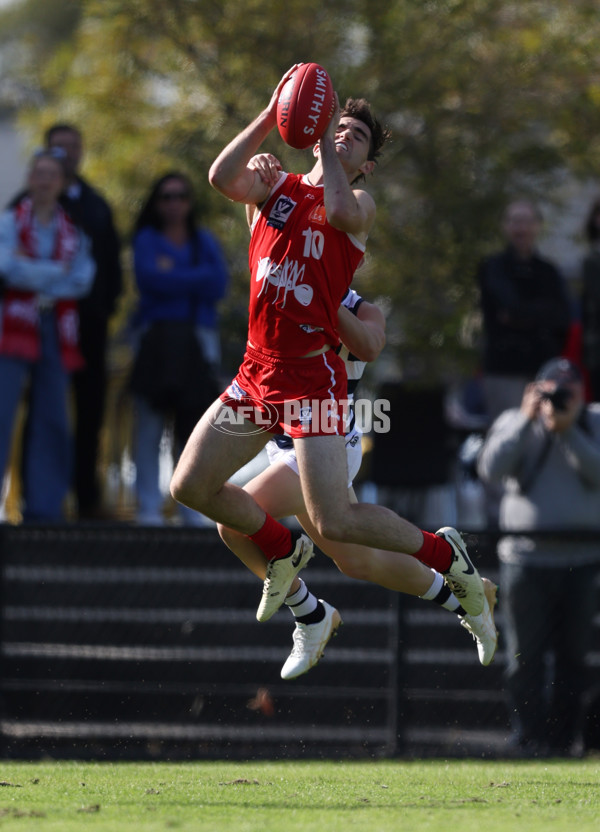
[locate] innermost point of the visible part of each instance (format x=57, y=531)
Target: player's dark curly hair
x=361, y=109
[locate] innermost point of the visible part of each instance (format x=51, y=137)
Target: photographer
x=546, y=454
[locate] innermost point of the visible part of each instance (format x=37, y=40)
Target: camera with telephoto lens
x=559, y=398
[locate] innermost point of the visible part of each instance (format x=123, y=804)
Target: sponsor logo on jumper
x=318, y=214
x=280, y=212
x=285, y=277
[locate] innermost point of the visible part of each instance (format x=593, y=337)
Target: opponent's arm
x=230, y=173
x=364, y=333
x=347, y=209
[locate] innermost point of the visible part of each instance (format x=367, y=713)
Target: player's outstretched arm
x=364, y=333
x=349, y=210
x=230, y=173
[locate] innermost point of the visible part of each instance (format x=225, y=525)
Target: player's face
x=353, y=140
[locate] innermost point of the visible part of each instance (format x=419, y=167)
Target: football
x=305, y=106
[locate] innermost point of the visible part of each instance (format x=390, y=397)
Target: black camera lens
x=559, y=398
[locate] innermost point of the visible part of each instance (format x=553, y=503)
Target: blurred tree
x=485, y=98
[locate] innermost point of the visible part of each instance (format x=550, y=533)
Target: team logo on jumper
x=285, y=277
x=280, y=212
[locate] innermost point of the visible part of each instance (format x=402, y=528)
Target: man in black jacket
x=93, y=213
x=526, y=310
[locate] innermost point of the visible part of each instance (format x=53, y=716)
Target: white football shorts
x=353, y=454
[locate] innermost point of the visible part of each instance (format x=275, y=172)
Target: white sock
x=302, y=602
x=439, y=593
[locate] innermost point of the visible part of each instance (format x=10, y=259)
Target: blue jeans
x=547, y=626
x=148, y=432
x=47, y=440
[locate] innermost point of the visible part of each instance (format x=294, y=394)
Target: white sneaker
x=310, y=641
x=280, y=574
x=482, y=626
x=462, y=577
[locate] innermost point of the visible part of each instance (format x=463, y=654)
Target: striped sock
x=304, y=606
x=440, y=594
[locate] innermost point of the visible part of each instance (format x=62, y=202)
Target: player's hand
x=268, y=168
x=334, y=121
x=272, y=107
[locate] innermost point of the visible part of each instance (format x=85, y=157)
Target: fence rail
x=125, y=642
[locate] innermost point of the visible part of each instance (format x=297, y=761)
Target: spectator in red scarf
x=45, y=267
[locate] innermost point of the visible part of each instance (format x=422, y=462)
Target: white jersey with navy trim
x=354, y=366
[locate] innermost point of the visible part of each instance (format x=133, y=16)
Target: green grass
x=301, y=796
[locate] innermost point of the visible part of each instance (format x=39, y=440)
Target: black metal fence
x=123, y=642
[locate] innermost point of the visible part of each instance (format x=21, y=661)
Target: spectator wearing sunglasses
x=181, y=276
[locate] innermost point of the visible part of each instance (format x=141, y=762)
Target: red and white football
x=305, y=106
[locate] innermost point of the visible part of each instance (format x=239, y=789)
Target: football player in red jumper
x=307, y=240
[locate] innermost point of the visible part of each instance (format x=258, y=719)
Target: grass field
x=342, y=796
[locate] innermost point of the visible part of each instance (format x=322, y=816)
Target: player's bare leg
x=210, y=457
x=323, y=477
x=323, y=468
x=277, y=491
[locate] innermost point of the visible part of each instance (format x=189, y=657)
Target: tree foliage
x=485, y=98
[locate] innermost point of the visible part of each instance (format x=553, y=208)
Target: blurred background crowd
x=494, y=152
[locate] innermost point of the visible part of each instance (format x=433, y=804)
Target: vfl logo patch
x=280, y=212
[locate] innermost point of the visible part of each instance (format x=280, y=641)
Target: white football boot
x=482, y=626
x=280, y=574
x=462, y=577
x=310, y=641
